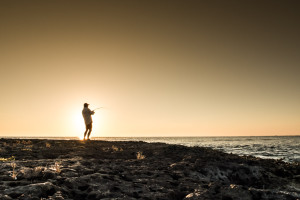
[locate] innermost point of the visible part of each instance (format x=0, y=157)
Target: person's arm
x=91, y=112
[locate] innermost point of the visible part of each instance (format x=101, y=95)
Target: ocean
x=286, y=148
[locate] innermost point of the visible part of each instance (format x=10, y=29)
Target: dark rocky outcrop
x=70, y=169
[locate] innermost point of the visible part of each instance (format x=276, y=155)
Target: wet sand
x=73, y=169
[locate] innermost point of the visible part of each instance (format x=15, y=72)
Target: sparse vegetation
x=14, y=173
x=48, y=145
x=31, y=173
x=57, y=167
x=7, y=159
x=26, y=142
x=13, y=165
x=115, y=148
x=140, y=156
x=26, y=149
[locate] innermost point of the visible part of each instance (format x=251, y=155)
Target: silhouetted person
x=86, y=113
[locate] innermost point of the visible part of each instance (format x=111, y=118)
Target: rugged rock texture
x=64, y=169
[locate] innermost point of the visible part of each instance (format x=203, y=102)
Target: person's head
x=86, y=105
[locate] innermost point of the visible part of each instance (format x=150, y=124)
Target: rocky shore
x=73, y=169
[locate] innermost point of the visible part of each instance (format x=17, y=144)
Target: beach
x=74, y=169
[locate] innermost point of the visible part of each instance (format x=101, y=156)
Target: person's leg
x=86, y=130
x=89, y=133
x=90, y=130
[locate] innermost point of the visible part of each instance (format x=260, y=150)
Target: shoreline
x=285, y=147
x=93, y=138
x=97, y=169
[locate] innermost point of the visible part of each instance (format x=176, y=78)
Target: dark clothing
x=89, y=126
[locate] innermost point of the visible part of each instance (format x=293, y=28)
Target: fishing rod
x=97, y=108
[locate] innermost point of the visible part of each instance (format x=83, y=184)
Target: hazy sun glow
x=78, y=123
x=80, y=137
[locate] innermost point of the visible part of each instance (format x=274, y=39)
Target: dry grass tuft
x=14, y=173
x=115, y=148
x=48, y=145
x=7, y=159
x=13, y=165
x=57, y=167
x=32, y=173
x=26, y=142
x=140, y=156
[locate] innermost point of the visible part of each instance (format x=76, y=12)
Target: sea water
x=286, y=148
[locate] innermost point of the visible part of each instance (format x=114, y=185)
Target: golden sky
x=160, y=68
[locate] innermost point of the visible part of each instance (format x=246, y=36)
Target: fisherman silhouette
x=86, y=113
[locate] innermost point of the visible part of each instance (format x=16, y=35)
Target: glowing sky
x=160, y=68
